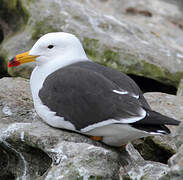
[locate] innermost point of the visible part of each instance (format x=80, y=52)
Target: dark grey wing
x=153, y=119
x=85, y=97
x=122, y=80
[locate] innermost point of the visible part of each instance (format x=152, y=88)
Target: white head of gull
x=54, y=51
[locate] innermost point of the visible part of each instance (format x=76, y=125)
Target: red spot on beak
x=13, y=62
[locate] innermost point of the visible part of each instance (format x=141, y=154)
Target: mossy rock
x=120, y=41
x=13, y=13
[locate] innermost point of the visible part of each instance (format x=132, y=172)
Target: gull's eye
x=50, y=46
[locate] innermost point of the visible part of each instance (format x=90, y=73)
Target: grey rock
x=180, y=88
x=46, y=153
x=30, y=149
x=136, y=37
x=156, y=148
x=15, y=101
x=138, y=169
x=33, y=150
x=179, y=136
x=172, y=106
x=176, y=167
x=169, y=105
x=13, y=17
x=161, y=148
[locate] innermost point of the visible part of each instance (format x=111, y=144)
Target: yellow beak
x=21, y=59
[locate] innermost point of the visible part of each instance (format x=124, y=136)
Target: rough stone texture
x=156, y=148
x=176, y=166
x=138, y=37
x=180, y=88
x=30, y=149
x=47, y=153
x=169, y=105
x=176, y=162
x=179, y=137
x=161, y=148
x=15, y=101
x=138, y=169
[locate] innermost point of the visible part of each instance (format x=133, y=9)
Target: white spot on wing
x=154, y=133
x=120, y=92
x=160, y=131
x=135, y=96
x=126, y=92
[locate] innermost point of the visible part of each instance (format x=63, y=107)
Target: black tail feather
x=156, y=129
x=155, y=122
x=155, y=118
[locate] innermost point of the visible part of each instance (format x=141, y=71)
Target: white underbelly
x=117, y=134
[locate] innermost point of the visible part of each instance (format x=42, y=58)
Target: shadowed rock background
x=142, y=38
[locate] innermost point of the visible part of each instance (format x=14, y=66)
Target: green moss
x=10, y=5
x=107, y=57
x=41, y=28
x=14, y=13
x=129, y=63
x=16, y=8
x=21, y=72
x=110, y=56
x=151, y=69
x=127, y=177
x=91, y=46
x=175, y=78
x=25, y=12
x=90, y=178
x=160, y=74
